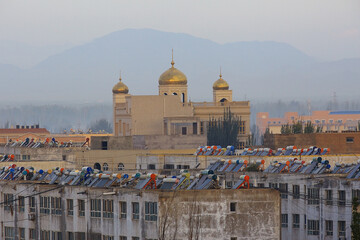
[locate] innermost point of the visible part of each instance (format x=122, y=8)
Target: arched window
x=105, y=167
x=121, y=167
x=223, y=100
x=175, y=93
x=183, y=97
x=165, y=94
x=97, y=166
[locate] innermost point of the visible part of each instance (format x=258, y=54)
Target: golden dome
x=220, y=84
x=172, y=76
x=120, y=87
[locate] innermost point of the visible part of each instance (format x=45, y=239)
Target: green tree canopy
x=224, y=131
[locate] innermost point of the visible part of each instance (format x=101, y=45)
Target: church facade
x=170, y=112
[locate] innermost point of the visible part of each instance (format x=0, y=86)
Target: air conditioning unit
x=31, y=217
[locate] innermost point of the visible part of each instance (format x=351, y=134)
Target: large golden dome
x=172, y=76
x=120, y=87
x=220, y=84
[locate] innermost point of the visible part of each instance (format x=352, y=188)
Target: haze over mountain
x=254, y=70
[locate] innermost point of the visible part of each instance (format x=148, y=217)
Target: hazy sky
x=327, y=29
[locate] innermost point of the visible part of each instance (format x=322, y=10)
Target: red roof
x=23, y=130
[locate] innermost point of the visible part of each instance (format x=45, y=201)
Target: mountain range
x=254, y=70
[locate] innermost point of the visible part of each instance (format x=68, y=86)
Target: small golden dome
x=172, y=76
x=220, y=84
x=120, y=87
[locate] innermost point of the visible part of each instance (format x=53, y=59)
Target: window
x=64, y=157
x=135, y=238
x=44, y=235
x=313, y=227
x=8, y=201
x=241, y=145
x=169, y=166
x=135, y=210
x=261, y=185
x=183, y=130
x=81, y=208
x=242, y=127
x=233, y=207
x=56, y=206
x=356, y=194
x=123, y=238
x=106, y=167
x=9, y=233
x=22, y=233
x=296, y=220
x=331, y=121
x=105, y=237
x=228, y=184
x=108, y=208
x=45, y=205
x=70, y=207
x=56, y=235
x=95, y=208
x=80, y=236
x=194, y=128
x=283, y=188
x=329, y=227
x=341, y=228
x=121, y=167
x=104, y=145
x=273, y=185
x=151, y=211
x=122, y=209
x=32, y=204
x=349, y=140
x=284, y=220
x=304, y=221
x=342, y=198
x=328, y=197
x=70, y=236
x=313, y=196
x=296, y=191
x=201, y=127
x=233, y=238
x=21, y=203
x=151, y=166
x=32, y=234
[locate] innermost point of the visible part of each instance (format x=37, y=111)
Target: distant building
x=329, y=120
x=170, y=112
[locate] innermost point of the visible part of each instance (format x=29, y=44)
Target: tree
x=101, y=125
x=355, y=224
x=309, y=128
x=297, y=127
x=224, y=131
x=285, y=129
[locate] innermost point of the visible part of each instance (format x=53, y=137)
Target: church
x=170, y=112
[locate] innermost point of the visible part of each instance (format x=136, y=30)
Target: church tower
x=120, y=91
x=221, y=92
x=173, y=82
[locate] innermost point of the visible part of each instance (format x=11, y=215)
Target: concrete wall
x=337, y=142
x=207, y=213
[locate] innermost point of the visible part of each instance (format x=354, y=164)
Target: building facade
x=170, y=112
x=327, y=120
x=312, y=206
x=55, y=212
